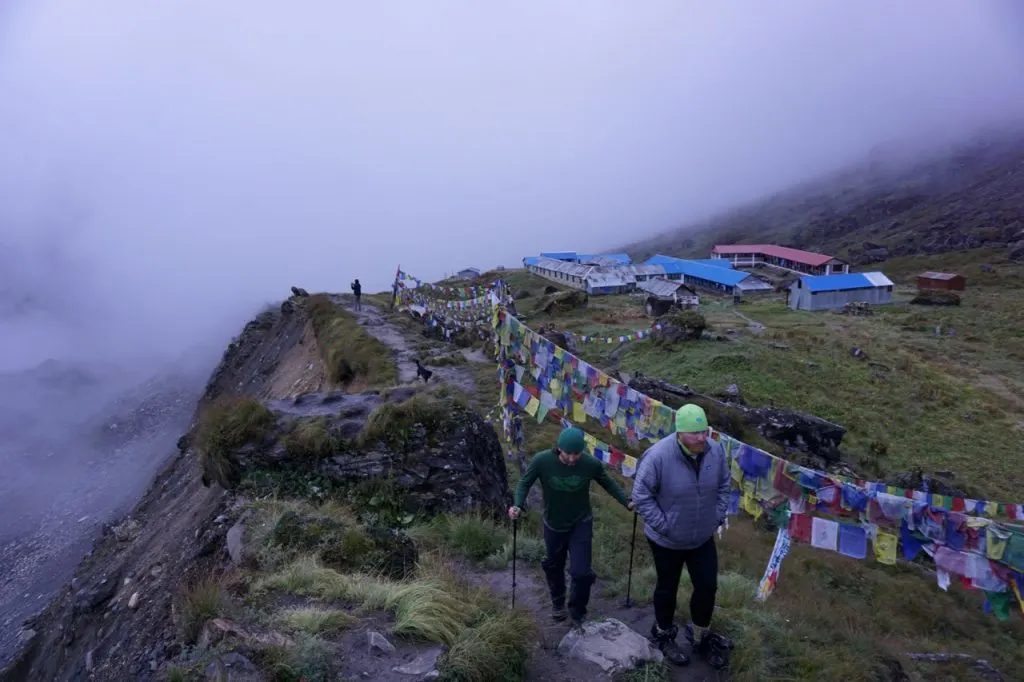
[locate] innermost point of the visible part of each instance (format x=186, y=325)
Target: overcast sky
x=166, y=166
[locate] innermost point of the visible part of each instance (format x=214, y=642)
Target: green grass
x=392, y=423
x=310, y=659
x=832, y=616
x=199, y=603
x=422, y=608
x=352, y=357
x=495, y=650
x=223, y=427
x=316, y=620
x=928, y=400
x=309, y=438
x=448, y=360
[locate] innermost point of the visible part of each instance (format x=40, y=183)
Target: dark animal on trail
x=422, y=372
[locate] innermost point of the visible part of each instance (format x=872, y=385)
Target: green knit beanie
x=691, y=419
x=571, y=441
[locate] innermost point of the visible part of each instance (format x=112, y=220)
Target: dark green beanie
x=571, y=441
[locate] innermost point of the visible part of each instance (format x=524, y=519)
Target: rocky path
x=377, y=324
x=546, y=663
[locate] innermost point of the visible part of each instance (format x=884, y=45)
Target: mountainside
x=968, y=197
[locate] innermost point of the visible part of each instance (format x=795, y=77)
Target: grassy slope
x=977, y=192
x=937, y=406
x=829, y=617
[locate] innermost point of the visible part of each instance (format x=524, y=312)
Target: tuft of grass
x=199, y=603
x=426, y=608
x=393, y=423
x=351, y=355
x=314, y=620
x=652, y=672
x=175, y=674
x=495, y=650
x=310, y=659
x=310, y=439
x=473, y=537
x=445, y=360
x=224, y=426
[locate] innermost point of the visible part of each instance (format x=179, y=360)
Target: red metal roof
x=795, y=255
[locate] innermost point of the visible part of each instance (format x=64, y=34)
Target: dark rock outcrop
x=792, y=430
x=251, y=358
x=391, y=454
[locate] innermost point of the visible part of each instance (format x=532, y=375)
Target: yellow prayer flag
x=995, y=542
x=579, y=415
x=885, y=548
x=531, y=407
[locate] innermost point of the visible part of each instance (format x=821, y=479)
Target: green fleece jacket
x=566, y=488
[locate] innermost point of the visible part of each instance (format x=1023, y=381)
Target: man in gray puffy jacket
x=681, y=490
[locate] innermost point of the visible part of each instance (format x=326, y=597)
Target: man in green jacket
x=565, y=474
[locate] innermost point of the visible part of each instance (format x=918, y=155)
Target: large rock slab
x=611, y=645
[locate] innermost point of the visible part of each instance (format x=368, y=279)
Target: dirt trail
x=376, y=323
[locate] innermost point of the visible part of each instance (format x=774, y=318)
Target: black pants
x=576, y=543
x=702, y=564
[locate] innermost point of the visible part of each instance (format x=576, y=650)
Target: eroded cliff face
x=116, y=619
x=269, y=424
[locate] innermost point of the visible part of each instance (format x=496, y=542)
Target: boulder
x=856, y=308
x=680, y=325
x=559, y=338
x=611, y=645
x=563, y=301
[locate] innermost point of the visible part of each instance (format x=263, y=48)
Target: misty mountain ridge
x=898, y=202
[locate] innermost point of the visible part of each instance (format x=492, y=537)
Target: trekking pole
x=515, y=529
x=629, y=579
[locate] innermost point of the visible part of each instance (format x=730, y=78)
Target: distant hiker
x=681, y=490
x=565, y=474
x=422, y=372
x=357, y=289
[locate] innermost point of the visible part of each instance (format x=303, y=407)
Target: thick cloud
x=168, y=166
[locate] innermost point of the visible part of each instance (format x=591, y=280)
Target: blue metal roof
x=716, y=262
x=560, y=255
x=853, y=280
x=531, y=260
x=620, y=257
x=659, y=259
x=711, y=273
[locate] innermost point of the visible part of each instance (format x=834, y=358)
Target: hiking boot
x=559, y=613
x=577, y=624
x=665, y=640
x=713, y=648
